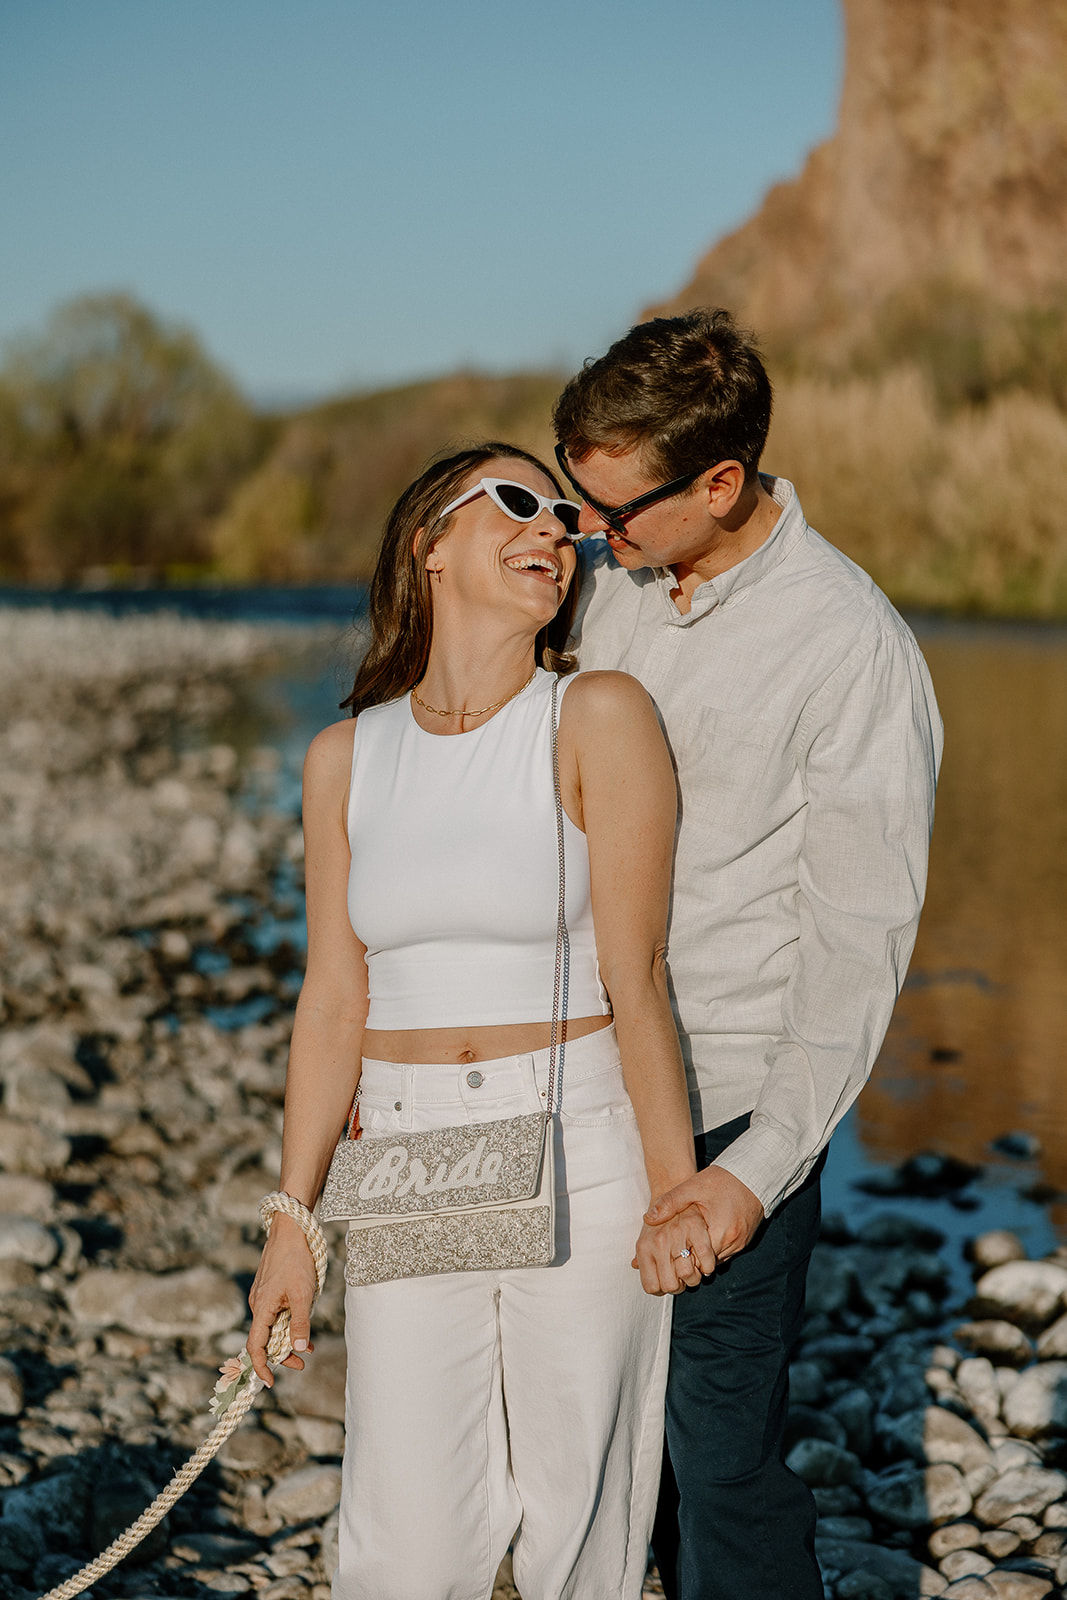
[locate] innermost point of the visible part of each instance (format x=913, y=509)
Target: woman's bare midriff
x=458, y=1046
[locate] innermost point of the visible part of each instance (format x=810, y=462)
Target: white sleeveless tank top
x=454, y=883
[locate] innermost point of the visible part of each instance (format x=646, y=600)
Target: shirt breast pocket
x=724, y=759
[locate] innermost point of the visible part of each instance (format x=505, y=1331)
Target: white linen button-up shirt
x=806, y=739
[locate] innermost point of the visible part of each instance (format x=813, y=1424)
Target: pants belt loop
x=407, y=1095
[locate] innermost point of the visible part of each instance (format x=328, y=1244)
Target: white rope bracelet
x=234, y=1394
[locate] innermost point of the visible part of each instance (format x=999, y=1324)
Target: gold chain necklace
x=494, y=707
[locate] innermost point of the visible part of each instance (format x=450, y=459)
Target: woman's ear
x=434, y=563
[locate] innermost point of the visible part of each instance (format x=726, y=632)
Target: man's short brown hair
x=683, y=392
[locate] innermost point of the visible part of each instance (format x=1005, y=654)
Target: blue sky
x=342, y=193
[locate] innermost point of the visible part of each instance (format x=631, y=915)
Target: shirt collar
x=729, y=585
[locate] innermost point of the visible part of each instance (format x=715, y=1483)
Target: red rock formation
x=948, y=172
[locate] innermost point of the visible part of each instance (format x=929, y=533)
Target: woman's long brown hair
x=400, y=613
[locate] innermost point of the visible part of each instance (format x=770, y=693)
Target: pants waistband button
x=475, y=1080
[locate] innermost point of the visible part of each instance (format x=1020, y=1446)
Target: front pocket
x=596, y=1102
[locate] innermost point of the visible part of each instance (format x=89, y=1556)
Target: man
x=806, y=739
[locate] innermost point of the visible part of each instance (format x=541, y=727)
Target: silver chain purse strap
x=556, y=1043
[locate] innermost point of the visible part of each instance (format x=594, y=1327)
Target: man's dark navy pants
x=733, y=1522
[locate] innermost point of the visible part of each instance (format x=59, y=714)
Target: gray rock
x=861, y=1585
x=1056, y=1515
x=328, y=1549
x=905, y=1577
x=809, y=1422
x=903, y=1437
x=1018, y=1585
x=831, y=1278
x=1000, y=1340
x=906, y=1391
x=1011, y=1453
x=816, y=1461
x=251, y=1450
x=25, y=1239
x=1036, y=1408
x=845, y=1528
x=947, y=1437
x=889, y=1230
x=1052, y=1344
x=309, y=1492
x=37, y=1095
x=24, y=1147
x=1025, y=1491
x=954, y=1536
x=214, y=1549
x=1027, y=1292
x=1027, y=1529
x=970, y=1589
x=965, y=1564
x=318, y=1391
x=320, y=1436
x=806, y=1384
x=1000, y=1542
x=977, y=1382
x=854, y=1410
x=840, y=1501
x=995, y=1248
x=24, y=1196
x=196, y=1303
x=12, y=1394
x=912, y=1498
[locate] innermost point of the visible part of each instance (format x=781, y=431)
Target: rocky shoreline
x=147, y=881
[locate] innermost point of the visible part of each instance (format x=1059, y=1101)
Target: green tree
x=120, y=440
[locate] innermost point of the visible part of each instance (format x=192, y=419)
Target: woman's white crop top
x=454, y=883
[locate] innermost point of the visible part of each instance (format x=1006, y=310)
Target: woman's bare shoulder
x=330, y=753
x=606, y=693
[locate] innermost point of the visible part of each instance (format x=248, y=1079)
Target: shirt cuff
x=765, y=1161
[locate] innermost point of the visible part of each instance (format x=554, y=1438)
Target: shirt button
x=475, y=1080
x=398, y=1105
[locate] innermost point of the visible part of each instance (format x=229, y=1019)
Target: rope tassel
x=234, y=1394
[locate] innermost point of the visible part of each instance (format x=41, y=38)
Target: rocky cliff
x=946, y=179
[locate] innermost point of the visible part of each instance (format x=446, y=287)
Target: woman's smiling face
x=488, y=558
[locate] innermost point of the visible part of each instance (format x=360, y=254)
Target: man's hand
x=730, y=1210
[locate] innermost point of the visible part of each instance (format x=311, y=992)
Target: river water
x=975, y=1050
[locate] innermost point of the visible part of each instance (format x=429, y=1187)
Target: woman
x=481, y=1403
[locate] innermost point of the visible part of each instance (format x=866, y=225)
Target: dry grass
x=960, y=511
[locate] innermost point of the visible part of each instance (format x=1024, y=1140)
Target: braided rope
x=278, y=1347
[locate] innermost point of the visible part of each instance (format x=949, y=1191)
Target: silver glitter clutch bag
x=470, y=1198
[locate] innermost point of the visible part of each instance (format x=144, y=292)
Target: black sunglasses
x=615, y=516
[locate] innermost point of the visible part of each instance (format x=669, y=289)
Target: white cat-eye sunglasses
x=521, y=504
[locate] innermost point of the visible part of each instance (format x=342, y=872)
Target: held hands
x=286, y=1277
x=712, y=1214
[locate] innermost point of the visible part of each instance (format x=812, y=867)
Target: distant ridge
x=946, y=179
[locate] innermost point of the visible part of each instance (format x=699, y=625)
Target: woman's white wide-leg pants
x=525, y=1404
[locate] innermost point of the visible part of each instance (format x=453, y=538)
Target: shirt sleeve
x=870, y=746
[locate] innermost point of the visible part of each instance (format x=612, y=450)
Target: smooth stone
x=214, y=1549
x=12, y=1393
x=889, y=1230
x=306, y=1493
x=906, y=1391
x=318, y=1391
x=1018, y=1585
x=1025, y=1491
x=23, y=1196
x=997, y=1338
x=26, y=1148
x=965, y=1564
x=37, y=1095
x=905, y=1577
x=1049, y=1543
x=845, y=1528
x=817, y=1461
x=912, y=1497
x=903, y=1437
x=977, y=1382
x=831, y=1279
x=970, y=1589
x=321, y=1436
x=807, y=1385
x=854, y=1410
x=25, y=1239
x=995, y=1248
x=1000, y=1543
x=1027, y=1529
x=947, y=1437
x=1055, y=1515
x=1052, y=1344
x=1027, y=1292
x=841, y=1501
x=806, y=1422
x=118, y=1500
x=862, y=1585
x=1037, y=1405
x=1011, y=1453
x=251, y=1450
x=194, y=1304
x=947, y=1493
x=953, y=1536
x=328, y=1548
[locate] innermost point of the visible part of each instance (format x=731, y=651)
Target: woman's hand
x=660, y=1260
x=286, y=1277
